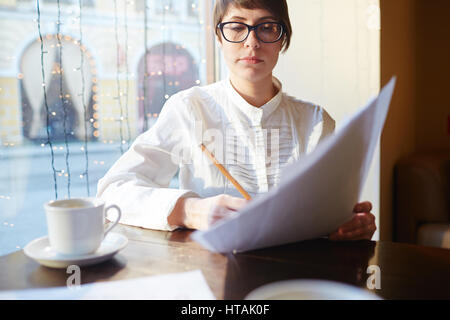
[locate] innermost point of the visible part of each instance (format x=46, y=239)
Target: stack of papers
x=316, y=195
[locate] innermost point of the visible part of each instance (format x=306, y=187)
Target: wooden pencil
x=225, y=172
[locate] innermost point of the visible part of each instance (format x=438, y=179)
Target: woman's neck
x=255, y=93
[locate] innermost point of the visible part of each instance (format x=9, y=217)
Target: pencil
x=225, y=172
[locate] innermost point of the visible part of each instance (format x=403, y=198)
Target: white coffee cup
x=77, y=226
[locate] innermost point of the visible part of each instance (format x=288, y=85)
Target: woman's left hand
x=361, y=227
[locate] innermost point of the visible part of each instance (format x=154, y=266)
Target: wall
x=334, y=61
x=397, y=58
x=433, y=74
x=415, y=48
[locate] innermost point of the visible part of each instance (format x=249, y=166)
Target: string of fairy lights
x=165, y=7
x=127, y=73
x=61, y=96
x=85, y=174
x=201, y=60
x=146, y=73
x=120, y=94
x=89, y=103
x=49, y=141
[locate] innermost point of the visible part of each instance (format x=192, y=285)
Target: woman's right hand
x=198, y=213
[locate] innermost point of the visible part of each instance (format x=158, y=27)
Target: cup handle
x=119, y=214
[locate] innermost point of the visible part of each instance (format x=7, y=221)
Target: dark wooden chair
x=422, y=200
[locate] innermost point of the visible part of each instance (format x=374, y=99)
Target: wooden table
x=407, y=271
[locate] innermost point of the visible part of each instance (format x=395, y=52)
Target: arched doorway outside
x=70, y=106
x=170, y=68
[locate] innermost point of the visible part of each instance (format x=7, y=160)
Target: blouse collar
x=252, y=112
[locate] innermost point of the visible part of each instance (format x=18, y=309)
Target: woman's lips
x=251, y=60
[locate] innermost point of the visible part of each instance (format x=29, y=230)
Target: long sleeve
x=138, y=182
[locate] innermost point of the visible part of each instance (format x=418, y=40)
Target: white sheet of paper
x=316, y=194
x=176, y=286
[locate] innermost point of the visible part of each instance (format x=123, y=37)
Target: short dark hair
x=278, y=8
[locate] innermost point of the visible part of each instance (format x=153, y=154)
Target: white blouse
x=253, y=144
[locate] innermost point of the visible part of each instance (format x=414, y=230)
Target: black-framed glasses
x=236, y=32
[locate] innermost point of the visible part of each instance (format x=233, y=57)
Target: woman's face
x=251, y=60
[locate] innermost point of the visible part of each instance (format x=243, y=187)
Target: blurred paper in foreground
x=316, y=194
x=190, y=285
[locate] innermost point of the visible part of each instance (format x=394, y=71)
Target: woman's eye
x=237, y=29
x=267, y=28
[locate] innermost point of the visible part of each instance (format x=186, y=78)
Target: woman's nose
x=252, y=40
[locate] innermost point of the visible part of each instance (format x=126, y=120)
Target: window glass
x=72, y=103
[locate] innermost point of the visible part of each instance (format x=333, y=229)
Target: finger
x=349, y=235
x=351, y=225
x=360, y=220
x=234, y=203
x=360, y=234
x=335, y=236
x=219, y=213
x=225, y=213
x=363, y=207
x=356, y=234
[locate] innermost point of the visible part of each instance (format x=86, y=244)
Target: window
x=86, y=3
x=192, y=8
x=60, y=134
x=165, y=7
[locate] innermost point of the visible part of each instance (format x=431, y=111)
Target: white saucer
x=310, y=290
x=40, y=250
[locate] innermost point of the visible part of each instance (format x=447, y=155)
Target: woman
x=251, y=126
